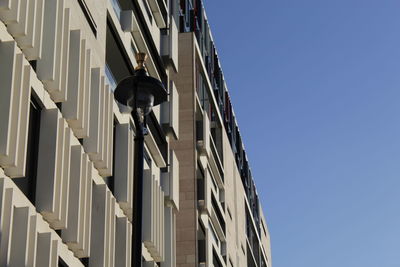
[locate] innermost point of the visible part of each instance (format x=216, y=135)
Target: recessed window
x=117, y=61
x=27, y=184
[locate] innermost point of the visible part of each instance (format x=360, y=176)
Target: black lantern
x=140, y=93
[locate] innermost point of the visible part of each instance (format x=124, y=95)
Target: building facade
x=220, y=222
x=67, y=147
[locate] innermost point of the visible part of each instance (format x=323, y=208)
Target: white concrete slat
x=54, y=84
x=75, y=235
x=7, y=76
x=88, y=210
x=75, y=107
x=64, y=198
x=10, y=13
x=153, y=216
x=19, y=237
x=26, y=40
x=23, y=121
x=92, y=143
x=110, y=133
x=96, y=155
x=81, y=129
x=112, y=218
x=157, y=221
x=98, y=226
x=77, y=124
x=86, y=113
x=129, y=237
x=5, y=4
x=57, y=217
x=44, y=250
x=54, y=216
x=10, y=96
x=170, y=181
x=104, y=166
x=11, y=160
x=54, y=253
x=35, y=52
x=70, y=235
x=169, y=237
x=82, y=248
x=122, y=240
x=131, y=169
x=110, y=229
x=170, y=112
x=32, y=239
x=46, y=65
x=21, y=27
x=82, y=203
x=49, y=163
x=123, y=173
x=107, y=130
x=6, y=220
x=107, y=228
x=70, y=108
x=148, y=209
x=162, y=226
x=58, y=89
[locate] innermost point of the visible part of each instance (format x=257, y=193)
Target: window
x=117, y=8
x=27, y=184
x=118, y=65
x=61, y=262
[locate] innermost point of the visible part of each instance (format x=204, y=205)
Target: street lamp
x=139, y=93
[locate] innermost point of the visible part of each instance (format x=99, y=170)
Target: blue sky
x=315, y=86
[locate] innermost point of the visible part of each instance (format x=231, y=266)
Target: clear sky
x=315, y=86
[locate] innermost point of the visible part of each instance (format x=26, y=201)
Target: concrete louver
x=52, y=66
x=15, y=93
x=153, y=216
x=76, y=108
x=17, y=238
x=99, y=143
x=18, y=227
x=103, y=227
x=77, y=232
x=24, y=20
x=124, y=168
x=170, y=181
x=52, y=188
x=123, y=237
x=10, y=11
x=26, y=240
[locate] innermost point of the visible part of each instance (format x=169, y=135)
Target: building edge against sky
x=67, y=150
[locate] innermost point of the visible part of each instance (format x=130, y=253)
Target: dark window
x=116, y=57
x=61, y=263
x=216, y=261
x=27, y=184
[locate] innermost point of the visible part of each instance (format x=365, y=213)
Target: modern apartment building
x=67, y=147
x=220, y=221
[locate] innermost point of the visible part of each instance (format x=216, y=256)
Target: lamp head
x=140, y=91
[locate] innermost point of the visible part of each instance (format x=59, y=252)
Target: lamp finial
x=140, y=59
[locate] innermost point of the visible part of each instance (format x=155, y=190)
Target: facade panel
x=69, y=202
